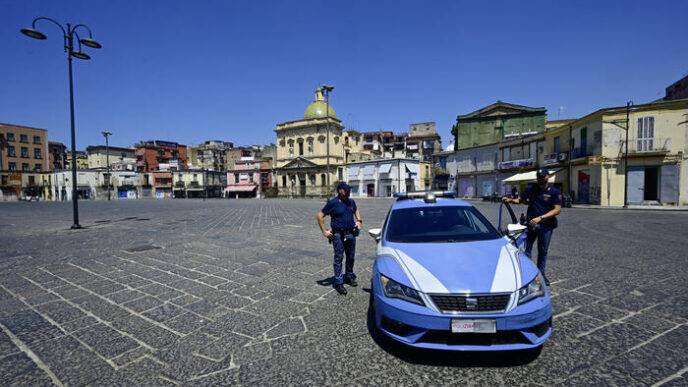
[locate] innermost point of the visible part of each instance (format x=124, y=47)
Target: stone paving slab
x=227, y=292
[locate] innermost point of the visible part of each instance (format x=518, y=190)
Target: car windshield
x=442, y=224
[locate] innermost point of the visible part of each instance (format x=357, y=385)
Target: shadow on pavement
x=447, y=358
x=329, y=281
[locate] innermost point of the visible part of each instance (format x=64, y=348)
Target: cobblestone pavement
x=229, y=292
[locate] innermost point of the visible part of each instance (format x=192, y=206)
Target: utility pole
x=107, y=134
x=628, y=125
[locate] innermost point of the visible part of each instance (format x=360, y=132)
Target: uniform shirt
x=341, y=213
x=541, y=202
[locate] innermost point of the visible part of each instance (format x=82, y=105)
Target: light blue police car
x=445, y=278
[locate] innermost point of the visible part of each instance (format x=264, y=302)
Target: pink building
x=249, y=178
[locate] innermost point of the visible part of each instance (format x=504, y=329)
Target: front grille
x=482, y=339
x=469, y=303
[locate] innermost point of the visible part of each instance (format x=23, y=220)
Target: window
x=311, y=179
x=25, y=167
x=439, y=224
x=24, y=152
x=323, y=180
x=37, y=167
x=646, y=133
x=10, y=136
x=250, y=176
x=300, y=148
x=284, y=181
x=12, y=166
x=11, y=152
x=557, y=145
x=236, y=177
x=23, y=138
x=36, y=153
x=36, y=139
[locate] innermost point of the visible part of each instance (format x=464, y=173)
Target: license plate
x=473, y=326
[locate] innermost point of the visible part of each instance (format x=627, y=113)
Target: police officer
x=345, y=222
x=544, y=204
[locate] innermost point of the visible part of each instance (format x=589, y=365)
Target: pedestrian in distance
x=345, y=224
x=544, y=204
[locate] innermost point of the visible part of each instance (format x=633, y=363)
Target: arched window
x=310, y=145
x=323, y=180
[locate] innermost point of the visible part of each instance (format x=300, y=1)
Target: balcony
x=578, y=153
x=649, y=145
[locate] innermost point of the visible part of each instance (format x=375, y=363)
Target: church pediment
x=500, y=108
x=299, y=162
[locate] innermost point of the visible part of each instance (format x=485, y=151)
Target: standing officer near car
x=345, y=223
x=544, y=204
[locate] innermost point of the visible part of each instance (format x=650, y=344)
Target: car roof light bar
x=428, y=196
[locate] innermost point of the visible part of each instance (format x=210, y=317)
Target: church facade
x=310, y=155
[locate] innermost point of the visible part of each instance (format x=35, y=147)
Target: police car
x=445, y=278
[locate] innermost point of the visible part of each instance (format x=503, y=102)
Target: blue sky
x=189, y=71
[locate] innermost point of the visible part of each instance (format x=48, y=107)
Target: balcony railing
x=647, y=145
x=577, y=153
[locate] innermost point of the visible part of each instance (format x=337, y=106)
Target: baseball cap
x=344, y=186
x=542, y=173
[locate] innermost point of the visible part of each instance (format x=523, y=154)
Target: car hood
x=467, y=267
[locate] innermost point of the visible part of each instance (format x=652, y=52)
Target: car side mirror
x=376, y=233
x=514, y=230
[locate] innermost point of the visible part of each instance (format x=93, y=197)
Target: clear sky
x=189, y=71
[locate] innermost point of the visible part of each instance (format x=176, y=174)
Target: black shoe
x=340, y=289
x=351, y=281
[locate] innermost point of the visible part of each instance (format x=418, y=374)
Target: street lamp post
x=107, y=134
x=68, y=35
x=327, y=89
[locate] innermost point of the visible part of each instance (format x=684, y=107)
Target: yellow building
x=590, y=152
x=310, y=151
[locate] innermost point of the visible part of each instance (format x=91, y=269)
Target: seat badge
x=471, y=303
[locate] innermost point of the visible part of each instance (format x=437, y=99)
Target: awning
x=353, y=171
x=240, y=188
x=529, y=176
x=413, y=168
x=385, y=168
x=369, y=170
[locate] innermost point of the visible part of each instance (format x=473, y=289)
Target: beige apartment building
x=589, y=154
x=120, y=159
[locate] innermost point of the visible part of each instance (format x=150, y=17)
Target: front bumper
x=526, y=326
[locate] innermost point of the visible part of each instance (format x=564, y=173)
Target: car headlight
x=535, y=289
x=394, y=289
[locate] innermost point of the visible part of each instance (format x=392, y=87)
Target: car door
x=507, y=216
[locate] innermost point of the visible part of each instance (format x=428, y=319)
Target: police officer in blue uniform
x=544, y=204
x=345, y=223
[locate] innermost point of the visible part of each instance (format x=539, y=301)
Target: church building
x=310, y=152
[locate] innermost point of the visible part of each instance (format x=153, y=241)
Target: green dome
x=317, y=109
